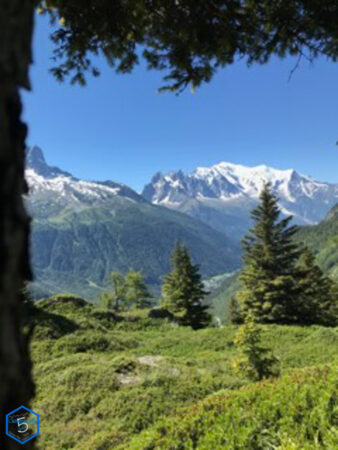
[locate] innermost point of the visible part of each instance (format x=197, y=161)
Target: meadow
x=131, y=382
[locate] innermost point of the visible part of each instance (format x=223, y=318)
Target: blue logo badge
x=22, y=424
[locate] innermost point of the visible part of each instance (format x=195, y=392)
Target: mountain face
x=223, y=195
x=83, y=230
x=52, y=190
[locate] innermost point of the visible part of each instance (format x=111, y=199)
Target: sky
x=119, y=127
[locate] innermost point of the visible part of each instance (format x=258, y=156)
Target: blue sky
x=118, y=127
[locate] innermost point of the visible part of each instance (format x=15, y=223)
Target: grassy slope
x=298, y=411
x=322, y=239
x=94, y=392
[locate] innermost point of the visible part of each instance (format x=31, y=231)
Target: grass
x=105, y=381
x=297, y=412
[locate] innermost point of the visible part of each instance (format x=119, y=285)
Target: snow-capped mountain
x=51, y=188
x=223, y=195
x=84, y=230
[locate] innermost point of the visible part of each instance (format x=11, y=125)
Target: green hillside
x=297, y=412
x=220, y=298
x=75, y=250
x=132, y=382
x=322, y=239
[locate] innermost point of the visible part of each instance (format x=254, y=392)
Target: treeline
x=281, y=282
x=182, y=291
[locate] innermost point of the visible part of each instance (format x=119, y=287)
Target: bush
x=256, y=361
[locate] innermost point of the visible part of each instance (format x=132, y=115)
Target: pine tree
x=183, y=290
x=270, y=258
x=115, y=299
x=137, y=293
x=256, y=361
x=317, y=301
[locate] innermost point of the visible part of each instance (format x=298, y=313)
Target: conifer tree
x=256, y=361
x=183, y=290
x=270, y=258
x=317, y=301
x=137, y=294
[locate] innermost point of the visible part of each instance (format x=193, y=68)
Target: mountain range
x=83, y=230
x=223, y=195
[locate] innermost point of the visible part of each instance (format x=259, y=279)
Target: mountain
x=223, y=195
x=83, y=230
x=322, y=239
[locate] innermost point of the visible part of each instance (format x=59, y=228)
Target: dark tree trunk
x=16, y=386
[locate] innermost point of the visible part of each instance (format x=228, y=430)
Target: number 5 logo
x=22, y=425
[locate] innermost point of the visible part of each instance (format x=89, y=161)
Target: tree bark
x=16, y=386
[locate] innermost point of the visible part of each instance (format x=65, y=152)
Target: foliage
x=256, y=361
x=137, y=293
x=116, y=298
x=105, y=380
x=74, y=251
x=322, y=240
x=183, y=290
x=190, y=40
x=270, y=258
x=235, y=316
x=126, y=292
x=319, y=302
x=281, y=282
x=296, y=412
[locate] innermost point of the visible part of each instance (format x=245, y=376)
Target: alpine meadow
x=169, y=225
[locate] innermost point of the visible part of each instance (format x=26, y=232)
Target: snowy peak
x=248, y=180
x=35, y=161
x=53, y=185
x=226, y=180
x=35, y=157
x=227, y=185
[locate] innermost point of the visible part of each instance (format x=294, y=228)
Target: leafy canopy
x=126, y=291
x=189, y=39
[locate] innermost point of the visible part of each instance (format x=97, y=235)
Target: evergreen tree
x=137, y=291
x=116, y=298
x=256, y=361
x=270, y=258
x=183, y=290
x=317, y=302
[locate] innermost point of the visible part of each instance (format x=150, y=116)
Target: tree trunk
x=16, y=386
